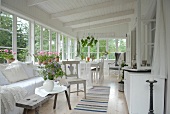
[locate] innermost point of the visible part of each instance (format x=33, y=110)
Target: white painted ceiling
x=81, y=15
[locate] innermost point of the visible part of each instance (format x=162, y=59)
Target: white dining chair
x=72, y=76
x=97, y=71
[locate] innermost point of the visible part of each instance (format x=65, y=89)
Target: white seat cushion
x=29, y=84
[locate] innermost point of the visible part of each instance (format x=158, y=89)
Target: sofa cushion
x=14, y=73
x=3, y=80
x=29, y=69
x=29, y=84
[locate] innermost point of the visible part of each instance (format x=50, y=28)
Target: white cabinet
x=136, y=91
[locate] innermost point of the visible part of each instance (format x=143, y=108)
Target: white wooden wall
x=167, y=25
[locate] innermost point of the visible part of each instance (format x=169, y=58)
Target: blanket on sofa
x=9, y=96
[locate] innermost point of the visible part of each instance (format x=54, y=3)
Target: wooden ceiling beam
x=97, y=18
x=35, y=2
x=82, y=9
x=102, y=25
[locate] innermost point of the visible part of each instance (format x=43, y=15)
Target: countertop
x=138, y=70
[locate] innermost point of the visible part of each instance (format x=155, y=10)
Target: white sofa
x=20, y=74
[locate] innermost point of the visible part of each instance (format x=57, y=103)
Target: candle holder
x=151, y=111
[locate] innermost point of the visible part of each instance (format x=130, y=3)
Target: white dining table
x=85, y=71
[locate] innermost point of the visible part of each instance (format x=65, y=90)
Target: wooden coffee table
x=35, y=101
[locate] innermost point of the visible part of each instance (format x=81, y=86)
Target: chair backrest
x=102, y=62
x=71, y=66
x=117, y=55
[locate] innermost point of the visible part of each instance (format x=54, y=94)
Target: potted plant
x=50, y=72
x=121, y=82
x=42, y=57
x=89, y=41
x=92, y=57
x=57, y=56
x=8, y=55
x=82, y=56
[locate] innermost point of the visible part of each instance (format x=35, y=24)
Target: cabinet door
x=139, y=95
x=126, y=87
x=125, y=84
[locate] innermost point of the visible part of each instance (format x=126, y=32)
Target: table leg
x=25, y=111
x=37, y=110
x=77, y=89
x=55, y=99
x=84, y=89
x=68, y=100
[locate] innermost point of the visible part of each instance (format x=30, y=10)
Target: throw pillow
x=15, y=72
x=29, y=69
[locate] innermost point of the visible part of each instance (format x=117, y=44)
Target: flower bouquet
x=52, y=71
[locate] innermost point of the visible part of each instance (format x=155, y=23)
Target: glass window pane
x=61, y=46
x=53, y=42
x=111, y=55
x=46, y=45
x=22, y=54
x=93, y=52
x=122, y=45
x=37, y=37
x=112, y=45
x=102, y=47
x=84, y=52
x=22, y=39
x=111, y=48
x=5, y=39
x=65, y=47
x=45, y=39
x=72, y=49
x=6, y=21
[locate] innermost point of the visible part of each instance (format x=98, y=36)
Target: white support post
x=62, y=47
x=32, y=41
x=58, y=42
x=75, y=47
x=50, y=40
x=138, y=34
x=88, y=55
x=68, y=47
x=41, y=39
x=142, y=41
x=97, y=50
x=14, y=35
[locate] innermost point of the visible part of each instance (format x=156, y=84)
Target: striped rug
x=96, y=101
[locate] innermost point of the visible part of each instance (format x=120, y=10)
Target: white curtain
x=159, y=65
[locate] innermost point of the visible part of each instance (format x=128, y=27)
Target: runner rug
x=96, y=101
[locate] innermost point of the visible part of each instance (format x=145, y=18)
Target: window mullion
x=98, y=50
x=41, y=38
x=56, y=42
x=14, y=36
x=62, y=47
x=32, y=39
